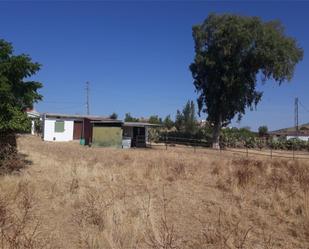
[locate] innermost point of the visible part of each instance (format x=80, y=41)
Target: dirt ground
x=70, y=196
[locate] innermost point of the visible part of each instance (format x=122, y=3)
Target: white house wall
x=303, y=138
x=51, y=135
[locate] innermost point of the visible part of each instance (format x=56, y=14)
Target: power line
x=60, y=102
x=296, y=115
x=305, y=108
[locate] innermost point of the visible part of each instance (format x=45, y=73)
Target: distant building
x=291, y=133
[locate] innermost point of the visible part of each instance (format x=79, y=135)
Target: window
x=59, y=126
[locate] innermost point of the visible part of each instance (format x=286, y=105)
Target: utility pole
x=296, y=115
x=87, y=98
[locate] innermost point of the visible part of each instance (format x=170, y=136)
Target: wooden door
x=77, y=131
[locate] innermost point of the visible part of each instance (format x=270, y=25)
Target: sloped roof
x=140, y=124
x=77, y=116
x=33, y=114
x=291, y=131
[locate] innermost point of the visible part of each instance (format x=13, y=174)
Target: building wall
x=49, y=133
x=107, y=136
x=303, y=138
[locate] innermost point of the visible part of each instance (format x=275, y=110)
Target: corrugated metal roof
x=33, y=114
x=74, y=116
x=140, y=124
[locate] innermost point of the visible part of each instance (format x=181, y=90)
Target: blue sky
x=136, y=54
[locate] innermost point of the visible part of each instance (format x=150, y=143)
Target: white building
x=33, y=115
x=300, y=137
x=56, y=129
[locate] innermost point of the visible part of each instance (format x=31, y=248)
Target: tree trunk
x=216, y=136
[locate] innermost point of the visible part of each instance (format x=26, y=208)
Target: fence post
x=165, y=142
x=194, y=145
x=247, y=152
x=293, y=151
x=271, y=152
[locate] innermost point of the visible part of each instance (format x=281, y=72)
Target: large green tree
x=186, y=119
x=17, y=92
x=231, y=51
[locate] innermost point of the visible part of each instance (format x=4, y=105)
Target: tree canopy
x=155, y=119
x=231, y=51
x=168, y=122
x=186, y=119
x=16, y=93
x=129, y=118
x=263, y=130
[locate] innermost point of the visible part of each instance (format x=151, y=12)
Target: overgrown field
x=77, y=197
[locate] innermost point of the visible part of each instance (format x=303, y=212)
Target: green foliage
x=113, y=116
x=233, y=137
x=38, y=126
x=168, y=123
x=16, y=94
x=186, y=120
x=230, y=51
x=129, y=118
x=263, y=131
x=291, y=144
x=155, y=119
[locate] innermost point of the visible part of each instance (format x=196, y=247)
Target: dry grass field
x=71, y=196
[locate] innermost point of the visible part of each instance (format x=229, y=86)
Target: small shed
x=137, y=132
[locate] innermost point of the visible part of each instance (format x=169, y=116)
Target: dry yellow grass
x=78, y=197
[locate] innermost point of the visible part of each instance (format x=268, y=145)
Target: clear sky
x=136, y=54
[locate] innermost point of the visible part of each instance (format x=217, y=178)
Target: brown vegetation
x=79, y=197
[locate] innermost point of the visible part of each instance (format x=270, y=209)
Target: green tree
x=129, y=118
x=155, y=119
x=179, y=120
x=16, y=93
x=168, y=122
x=230, y=51
x=263, y=130
x=113, y=116
x=186, y=120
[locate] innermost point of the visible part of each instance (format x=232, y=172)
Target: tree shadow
x=14, y=164
x=23, y=157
